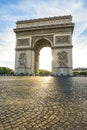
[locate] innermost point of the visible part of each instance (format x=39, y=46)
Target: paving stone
x=35, y=103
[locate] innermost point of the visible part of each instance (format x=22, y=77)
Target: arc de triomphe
x=33, y=35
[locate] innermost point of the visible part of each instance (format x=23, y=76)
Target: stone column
x=36, y=63
x=62, y=55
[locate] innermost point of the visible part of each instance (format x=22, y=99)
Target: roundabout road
x=43, y=103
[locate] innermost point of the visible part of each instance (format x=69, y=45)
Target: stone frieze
x=23, y=42
x=46, y=31
x=62, y=39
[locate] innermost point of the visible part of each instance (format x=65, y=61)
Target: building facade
x=33, y=35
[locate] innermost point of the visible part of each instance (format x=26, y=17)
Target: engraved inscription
x=33, y=32
x=23, y=42
x=62, y=39
x=62, y=59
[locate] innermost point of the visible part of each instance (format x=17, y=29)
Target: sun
x=45, y=61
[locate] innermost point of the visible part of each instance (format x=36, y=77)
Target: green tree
x=44, y=73
x=6, y=71
x=80, y=73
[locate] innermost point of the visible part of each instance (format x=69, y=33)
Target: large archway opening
x=45, y=59
x=38, y=46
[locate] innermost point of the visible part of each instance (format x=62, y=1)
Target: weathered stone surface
x=62, y=39
x=33, y=35
x=44, y=21
x=23, y=42
x=36, y=38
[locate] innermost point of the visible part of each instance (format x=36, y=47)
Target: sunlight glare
x=45, y=59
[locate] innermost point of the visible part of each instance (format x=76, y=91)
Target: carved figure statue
x=22, y=59
x=62, y=59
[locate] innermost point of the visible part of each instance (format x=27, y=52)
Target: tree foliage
x=6, y=71
x=44, y=73
x=80, y=73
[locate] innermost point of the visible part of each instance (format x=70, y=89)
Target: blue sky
x=13, y=10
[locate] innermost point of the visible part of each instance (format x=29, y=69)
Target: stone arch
x=38, y=45
x=33, y=35
x=40, y=38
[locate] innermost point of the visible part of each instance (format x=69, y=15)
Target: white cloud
x=26, y=9
x=7, y=50
x=79, y=57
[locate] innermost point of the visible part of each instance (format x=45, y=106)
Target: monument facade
x=33, y=35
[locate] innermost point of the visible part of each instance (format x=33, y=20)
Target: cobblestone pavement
x=43, y=103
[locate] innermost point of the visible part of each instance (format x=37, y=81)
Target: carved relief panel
x=22, y=59
x=23, y=42
x=62, y=39
x=62, y=59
